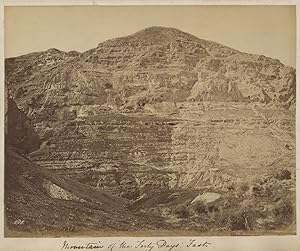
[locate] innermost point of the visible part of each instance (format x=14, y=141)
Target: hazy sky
x=268, y=30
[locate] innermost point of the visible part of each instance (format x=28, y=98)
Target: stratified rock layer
x=157, y=118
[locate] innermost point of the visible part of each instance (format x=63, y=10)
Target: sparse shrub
x=199, y=207
x=182, y=211
x=108, y=86
x=237, y=222
x=283, y=209
x=20, y=92
x=225, y=204
x=243, y=220
x=283, y=175
x=259, y=190
x=243, y=187
x=243, y=216
x=231, y=186
x=211, y=208
x=48, y=133
x=260, y=180
x=66, y=89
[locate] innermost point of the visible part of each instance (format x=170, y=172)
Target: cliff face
x=161, y=71
x=75, y=97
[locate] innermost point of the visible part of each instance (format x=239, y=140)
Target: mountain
x=151, y=66
x=155, y=121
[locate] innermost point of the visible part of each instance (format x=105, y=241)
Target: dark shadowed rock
x=20, y=132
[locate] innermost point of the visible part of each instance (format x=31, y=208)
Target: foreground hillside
x=40, y=202
x=168, y=130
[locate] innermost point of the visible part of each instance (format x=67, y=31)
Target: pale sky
x=267, y=30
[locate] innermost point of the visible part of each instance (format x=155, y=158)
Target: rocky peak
x=147, y=67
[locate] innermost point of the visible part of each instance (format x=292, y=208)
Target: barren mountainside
x=184, y=131
x=154, y=65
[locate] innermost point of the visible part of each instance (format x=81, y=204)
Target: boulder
x=207, y=198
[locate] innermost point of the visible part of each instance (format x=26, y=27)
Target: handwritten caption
x=142, y=244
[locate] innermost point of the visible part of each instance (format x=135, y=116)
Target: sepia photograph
x=150, y=120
